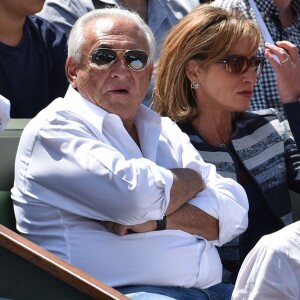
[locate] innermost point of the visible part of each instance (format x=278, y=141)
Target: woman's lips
x=246, y=93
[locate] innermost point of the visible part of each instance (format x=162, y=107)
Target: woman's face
x=220, y=90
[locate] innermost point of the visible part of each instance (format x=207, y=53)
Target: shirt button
x=131, y=149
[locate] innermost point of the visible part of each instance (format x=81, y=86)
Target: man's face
x=114, y=87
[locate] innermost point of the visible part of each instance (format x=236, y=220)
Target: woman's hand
x=287, y=69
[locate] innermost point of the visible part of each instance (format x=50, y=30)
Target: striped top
x=260, y=144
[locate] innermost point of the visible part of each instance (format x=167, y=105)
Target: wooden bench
x=30, y=272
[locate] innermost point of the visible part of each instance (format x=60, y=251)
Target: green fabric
x=7, y=216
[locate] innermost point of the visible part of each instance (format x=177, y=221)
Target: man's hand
x=120, y=229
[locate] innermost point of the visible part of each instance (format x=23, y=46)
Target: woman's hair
x=78, y=32
x=207, y=34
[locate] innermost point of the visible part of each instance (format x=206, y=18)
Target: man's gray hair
x=78, y=33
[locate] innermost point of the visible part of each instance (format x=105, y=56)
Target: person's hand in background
x=4, y=112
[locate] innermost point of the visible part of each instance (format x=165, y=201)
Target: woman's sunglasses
x=136, y=60
x=239, y=64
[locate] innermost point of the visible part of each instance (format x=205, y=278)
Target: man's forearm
x=193, y=220
x=187, y=183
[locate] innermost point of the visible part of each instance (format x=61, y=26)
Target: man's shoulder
x=282, y=240
x=47, y=32
x=44, y=26
x=60, y=6
x=268, y=112
x=261, y=113
x=179, y=5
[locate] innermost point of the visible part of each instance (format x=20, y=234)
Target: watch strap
x=162, y=224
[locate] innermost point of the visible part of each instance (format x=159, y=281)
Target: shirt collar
x=95, y=115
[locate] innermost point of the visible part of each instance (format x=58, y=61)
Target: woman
x=205, y=79
x=279, y=20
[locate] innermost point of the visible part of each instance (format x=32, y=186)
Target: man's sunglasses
x=239, y=64
x=136, y=60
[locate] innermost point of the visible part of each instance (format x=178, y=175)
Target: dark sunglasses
x=136, y=60
x=239, y=64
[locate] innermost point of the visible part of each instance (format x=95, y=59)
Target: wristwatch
x=162, y=224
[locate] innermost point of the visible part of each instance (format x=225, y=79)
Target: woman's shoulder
x=269, y=112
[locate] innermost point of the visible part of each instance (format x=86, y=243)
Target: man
x=97, y=174
x=279, y=21
x=32, y=58
x=272, y=269
x=160, y=15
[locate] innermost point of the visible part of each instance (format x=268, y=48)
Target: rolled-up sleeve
x=227, y=202
x=223, y=198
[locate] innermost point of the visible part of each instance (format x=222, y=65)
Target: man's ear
x=192, y=70
x=71, y=71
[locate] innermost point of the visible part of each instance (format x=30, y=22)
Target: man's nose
x=120, y=67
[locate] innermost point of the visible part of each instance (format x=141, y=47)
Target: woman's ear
x=192, y=70
x=71, y=71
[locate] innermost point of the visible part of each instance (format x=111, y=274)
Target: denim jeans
x=221, y=291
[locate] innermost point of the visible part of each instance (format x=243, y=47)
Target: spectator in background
x=271, y=271
x=160, y=15
x=112, y=167
x=279, y=20
x=204, y=81
x=4, y=112
x=32, y=58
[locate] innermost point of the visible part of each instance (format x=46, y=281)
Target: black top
x=32, y=73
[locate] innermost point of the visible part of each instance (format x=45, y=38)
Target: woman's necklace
x=222, y=143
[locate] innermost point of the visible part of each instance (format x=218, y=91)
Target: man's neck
x=11, y=29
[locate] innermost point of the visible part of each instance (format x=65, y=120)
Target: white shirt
x=76, y=164
x=4, y=112
x=271, y=271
